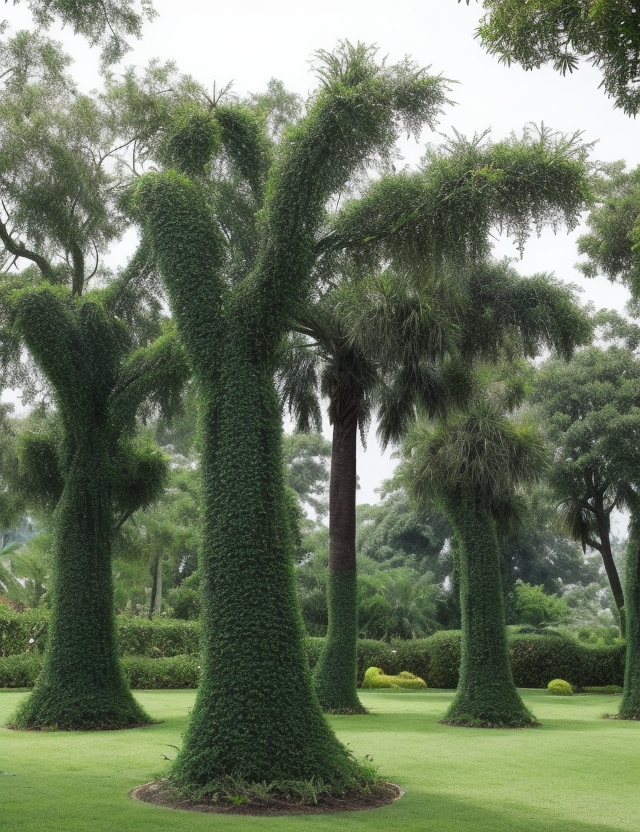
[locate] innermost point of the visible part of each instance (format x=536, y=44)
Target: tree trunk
x=155, y=600
x=486, y=696
x=604, y=532
x=335, y=675
x=82, y=686
x=630, y=705
x=256, y=716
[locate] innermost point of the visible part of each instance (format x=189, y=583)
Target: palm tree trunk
x=604, y=531
x=630, y=705
x=82, y=686
x=486, y=696
x=335, y=675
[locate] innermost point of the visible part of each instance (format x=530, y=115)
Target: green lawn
x=577, y=773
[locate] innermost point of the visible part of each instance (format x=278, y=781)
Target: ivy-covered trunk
x=82, y=686
x=486, y=694
x=256, y=716
x=630, y=705
x=336, y=672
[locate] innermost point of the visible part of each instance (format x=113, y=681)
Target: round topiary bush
x=558, y=687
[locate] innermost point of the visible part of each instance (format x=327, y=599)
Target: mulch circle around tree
x=383, y=795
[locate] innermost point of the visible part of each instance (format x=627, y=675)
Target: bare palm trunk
x=336, y=673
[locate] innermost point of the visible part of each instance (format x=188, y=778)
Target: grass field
x=577, y=773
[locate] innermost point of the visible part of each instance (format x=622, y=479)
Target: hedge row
x=142, y=673
x=535, y=660
x=22, y=632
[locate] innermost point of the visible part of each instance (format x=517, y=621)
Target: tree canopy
x=604, y=32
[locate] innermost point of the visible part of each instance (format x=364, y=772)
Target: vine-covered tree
x=234, y=297
x=471, y=464
x=102, y=354
x=604, y=32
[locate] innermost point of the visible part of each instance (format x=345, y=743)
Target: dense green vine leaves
x=234, y=297
x=470, y=464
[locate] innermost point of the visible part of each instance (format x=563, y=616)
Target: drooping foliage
x=430, y=229
x=604, y=32
x=104, y=23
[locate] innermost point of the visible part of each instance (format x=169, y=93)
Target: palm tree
x=324, y=358
x=380, y=343
x=471, y=464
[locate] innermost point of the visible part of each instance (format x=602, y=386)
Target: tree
x=612, y=245
x=471, y=463
x=397, y=603
x=256, y=718
x=535, y=32
x=533, y=606
x=105, y=23
x=100, y=363
x=588, y=406
x=432, y=227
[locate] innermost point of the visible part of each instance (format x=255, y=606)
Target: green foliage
x=192, y=139
x=20, y=671
x=160, y=638
x=177, y=671
x=558, y=687
x=630, y=705
x=104, y=23
x=22, y=632
x=606, y=690
x=611, y=245
x=560, y=32
x=397, y=604
x=375, y=678
x=533, y=606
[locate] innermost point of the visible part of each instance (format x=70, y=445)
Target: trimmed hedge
x=535, y=659
x=158, y=638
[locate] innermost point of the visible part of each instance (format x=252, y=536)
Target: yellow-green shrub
x=375, y=678
x=558, y=687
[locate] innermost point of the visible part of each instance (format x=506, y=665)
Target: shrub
x=558, y=687
x=22, y=632
x=607, y=689
x=20, y=671
x=375, y=678
x=158, y=638
x=159, y=674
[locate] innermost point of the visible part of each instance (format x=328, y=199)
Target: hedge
x=535, y=659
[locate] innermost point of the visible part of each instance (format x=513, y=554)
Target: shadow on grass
x=447, y=814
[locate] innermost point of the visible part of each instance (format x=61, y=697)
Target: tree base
x=359, y=710
x=291, y=798
x=49, y=710
x=475, y=722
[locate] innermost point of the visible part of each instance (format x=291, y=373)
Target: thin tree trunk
x=82, y=685
x=335, y=675
x=630, y=705
x=486, y=695
x=604, y=532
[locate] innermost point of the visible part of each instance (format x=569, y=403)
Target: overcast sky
x=250, y=41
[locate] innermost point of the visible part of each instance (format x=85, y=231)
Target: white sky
x=250, y=41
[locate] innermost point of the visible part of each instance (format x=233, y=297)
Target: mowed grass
x=578, y=772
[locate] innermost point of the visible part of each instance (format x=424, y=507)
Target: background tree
x=536, y=32
x=100, y=364
x=471, y=464
x=409, y=319
x=104, y=23
x=587, y=405
x=612, y=245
